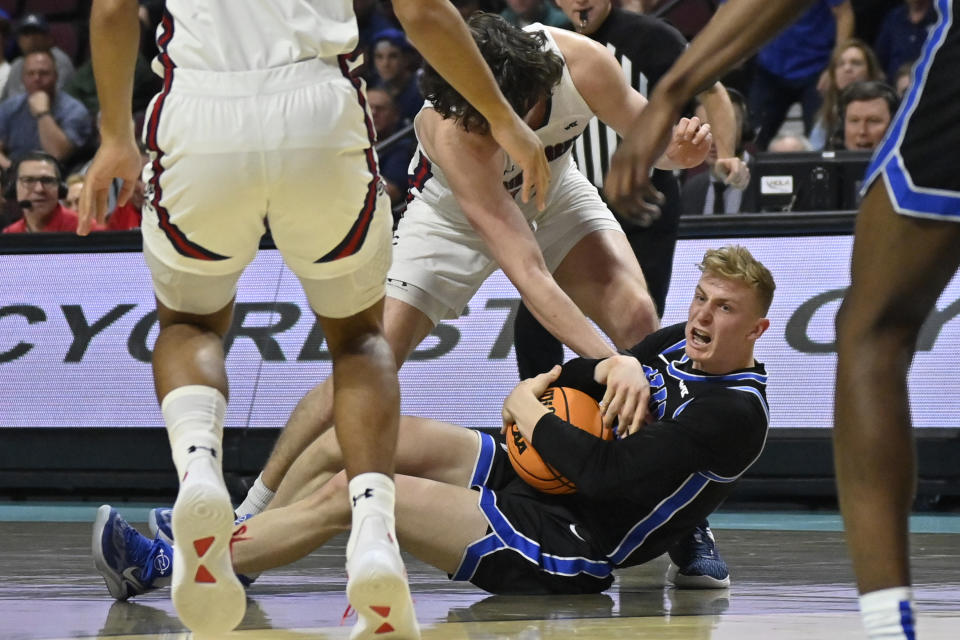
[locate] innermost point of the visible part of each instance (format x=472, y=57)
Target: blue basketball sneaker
x=160, y=521
x=695, y=563
x=130, y=563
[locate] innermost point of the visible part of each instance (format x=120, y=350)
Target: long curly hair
x=523, y=70
x=829, y=112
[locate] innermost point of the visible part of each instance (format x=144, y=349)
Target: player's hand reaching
x=526, y=149
x=117, y=159
x=627, y=395
x=522, y=405
x=690, y=143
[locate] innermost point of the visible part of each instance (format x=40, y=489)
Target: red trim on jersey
x=358, y=232
x=419, y=177
x=177, y=238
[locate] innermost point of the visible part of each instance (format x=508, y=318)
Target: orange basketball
x=571, y=405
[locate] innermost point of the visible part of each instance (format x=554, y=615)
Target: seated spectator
x=42, y=117
x=853, y=62
x=904, y=77
x=789, y=68
x=902, y=35
x=789, y=143
x=74, y=187
x=33, y=34
x=394, y=159
x=4, y=32
x=520, y=13
x=868, y=108
x=392, y=60
x=36, y=184
x=371, y=20
x=705, y=192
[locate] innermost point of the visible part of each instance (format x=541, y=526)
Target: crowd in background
x=846, y=63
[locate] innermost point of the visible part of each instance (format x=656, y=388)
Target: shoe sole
x=381, y=598
x=682, y=581
x=114, y=580
x=207, y=595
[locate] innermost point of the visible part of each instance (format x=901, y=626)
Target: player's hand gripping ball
x=568, y=404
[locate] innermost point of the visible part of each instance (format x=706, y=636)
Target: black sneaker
x=695, y=563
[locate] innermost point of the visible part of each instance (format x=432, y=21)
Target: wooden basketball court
x=790, y=581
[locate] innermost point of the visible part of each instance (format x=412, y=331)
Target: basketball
x=571, y=405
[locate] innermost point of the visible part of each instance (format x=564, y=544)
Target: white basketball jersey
x=243, y=35
x=567, y=116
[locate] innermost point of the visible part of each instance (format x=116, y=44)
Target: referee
x=645, y=47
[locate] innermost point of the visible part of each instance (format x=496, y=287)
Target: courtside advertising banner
x=77, y=330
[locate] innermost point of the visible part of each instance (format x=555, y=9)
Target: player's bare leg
x=283, y=535
x=602, y=276
x=425, y=448
x=405, y=327
x=900, y=266
x=191, y=384
x=366, y=412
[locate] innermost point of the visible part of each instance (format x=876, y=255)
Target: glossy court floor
x=790, y=577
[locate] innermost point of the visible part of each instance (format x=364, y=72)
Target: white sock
x=371, y=494
x=257, y=499
x=888, y=614
x=194, y=415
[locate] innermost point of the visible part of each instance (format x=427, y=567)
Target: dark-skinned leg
x=191, y=384
x=900, y=266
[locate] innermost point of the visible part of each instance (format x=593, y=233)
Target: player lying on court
x=691, y=401
x=465, y=219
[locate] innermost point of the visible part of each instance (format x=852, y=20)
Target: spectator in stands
x=902, y=34
x=42, y=117
x=868, y=108
x=520, y=13
x=789, y=143
x=903, y=79
x=706, y=192
x=36, y=185
x=74, y=187
x=395, y=158
x=33, y=34
x=391, y=57
x=791, y=67
x=371, y=20
x=4, y=32
x=853, y=62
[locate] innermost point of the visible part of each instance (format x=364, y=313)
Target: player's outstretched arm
x=438, y=32
x=737, y=29
x=473, y=165
x=114, y=38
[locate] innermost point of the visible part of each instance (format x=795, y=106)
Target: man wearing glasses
x=37, y=187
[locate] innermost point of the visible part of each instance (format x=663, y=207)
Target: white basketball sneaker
x=207, y=594
x=377, y=586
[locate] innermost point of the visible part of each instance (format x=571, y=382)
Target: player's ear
x=759, y=327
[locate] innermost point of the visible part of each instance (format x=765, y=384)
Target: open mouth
x=584, y=15
x=700, y=338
